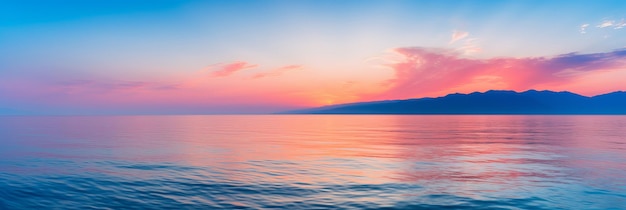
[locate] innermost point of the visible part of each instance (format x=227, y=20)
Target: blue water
x=313, y=162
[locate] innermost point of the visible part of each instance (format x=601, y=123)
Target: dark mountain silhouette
x=490, y=102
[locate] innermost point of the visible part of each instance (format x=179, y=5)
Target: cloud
x=433, y=71
x=621, y=24
x=348, y=84
x=458, y=35
x=612, y=23
x=583, y=28
x=277, y=72
x=183, y=92
x=468, y=46
x=606, y=23
x=229, y=69
x=85, y=85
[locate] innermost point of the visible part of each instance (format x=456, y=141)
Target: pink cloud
x=277, y=72
x=429, y=72
x=231, y=68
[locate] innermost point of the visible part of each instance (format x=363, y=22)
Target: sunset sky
x=194, y=57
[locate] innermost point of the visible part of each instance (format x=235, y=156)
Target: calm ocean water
x=313, y=162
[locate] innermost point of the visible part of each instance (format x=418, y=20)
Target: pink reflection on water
x=458, y=154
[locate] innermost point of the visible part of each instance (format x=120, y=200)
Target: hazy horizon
x=282, y=111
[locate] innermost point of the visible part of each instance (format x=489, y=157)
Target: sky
x=246, y=56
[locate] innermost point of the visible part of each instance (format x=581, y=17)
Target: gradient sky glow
x=192, y=57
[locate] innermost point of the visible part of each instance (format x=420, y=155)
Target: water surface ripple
x=313, y=162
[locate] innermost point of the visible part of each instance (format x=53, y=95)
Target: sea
x=313, y=162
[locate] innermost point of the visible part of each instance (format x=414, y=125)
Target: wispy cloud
x=224, y=70
x=606, y=23
x=621, y=24
x=458, y=35
x=583, y=28
x=85, y=85
x=277, y=72
x=468, y=45
x=426, y=71
x=603, y=25
x=612, y=24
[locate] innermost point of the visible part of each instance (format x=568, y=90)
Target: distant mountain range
x=490, y=102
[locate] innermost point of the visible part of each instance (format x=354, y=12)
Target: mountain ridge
x=488, y=102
